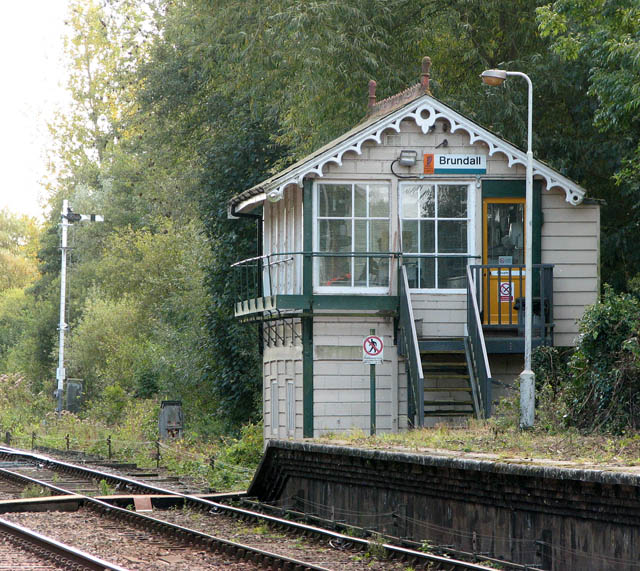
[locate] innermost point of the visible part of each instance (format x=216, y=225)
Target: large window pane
x=360, y=201
x=334, y=200
x=452, y=273
x=427, y=201
x=427, y=236
x=409, y=197
x=378, y=201
x=452, y=236
x=452, y=201
x=410, y=236
x=360, y=241
x=379, y=236
x=427, y=273
x=412, y=271
x=335, y=271
x=335, y=235
x=505, y=232
x=360, y=271
x=378, y=272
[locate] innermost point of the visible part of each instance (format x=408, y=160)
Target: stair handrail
x=478, y=346
x=411, y=347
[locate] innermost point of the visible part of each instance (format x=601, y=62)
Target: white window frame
x=471, y=218
x=317, y=288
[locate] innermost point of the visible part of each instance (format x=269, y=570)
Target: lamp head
x=493, y=77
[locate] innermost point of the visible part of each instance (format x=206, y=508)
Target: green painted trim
x=353, y=301
x=503, y=189
x=307, y=377
x=292, y=302
x=386, y=303
x=307, y=238
x=518, y=189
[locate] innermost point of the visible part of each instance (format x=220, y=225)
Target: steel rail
x=216, y=544
x=55, y=550
x=360, y=543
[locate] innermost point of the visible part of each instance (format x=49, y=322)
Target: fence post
x=157, y=454
x=7, y=438
x=109, y=445
x=33, y=440
x=67, y=441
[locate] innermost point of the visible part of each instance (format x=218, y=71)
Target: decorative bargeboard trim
x=425, y=111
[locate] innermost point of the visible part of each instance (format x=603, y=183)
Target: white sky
x=32, y=74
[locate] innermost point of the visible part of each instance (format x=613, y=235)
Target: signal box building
x=408, y=228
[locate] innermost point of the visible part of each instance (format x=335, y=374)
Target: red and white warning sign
x=505, y=293
x=372, y=349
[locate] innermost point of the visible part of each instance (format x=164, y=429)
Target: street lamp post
x=68, y=217
x=527, y=378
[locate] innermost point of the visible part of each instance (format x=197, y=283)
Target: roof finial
x=424, y=78
x=372, y=93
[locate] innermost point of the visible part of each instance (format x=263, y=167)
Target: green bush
x=603, y=392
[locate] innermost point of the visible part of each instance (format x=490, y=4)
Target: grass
x=218, y=464
x=499, y=441
x=34, y=491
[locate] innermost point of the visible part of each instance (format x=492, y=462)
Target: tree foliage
x=604, y=37
x=178, y=105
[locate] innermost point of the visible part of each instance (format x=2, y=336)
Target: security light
x=408, y=158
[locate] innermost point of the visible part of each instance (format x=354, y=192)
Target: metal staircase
x=449, y=394
x=449, y=379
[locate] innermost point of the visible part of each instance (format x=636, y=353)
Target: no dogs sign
x=372, y=349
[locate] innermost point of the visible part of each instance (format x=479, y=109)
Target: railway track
x=58, y=473
x=24, y=549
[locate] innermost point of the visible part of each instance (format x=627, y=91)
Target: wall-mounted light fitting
x=408, y=158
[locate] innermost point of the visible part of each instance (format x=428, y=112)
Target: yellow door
x=503, y=252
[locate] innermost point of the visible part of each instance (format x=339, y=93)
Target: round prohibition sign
x=372, y=346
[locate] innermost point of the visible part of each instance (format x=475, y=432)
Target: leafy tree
x=604, y=36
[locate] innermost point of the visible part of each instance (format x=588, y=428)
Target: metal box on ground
x=171, y=420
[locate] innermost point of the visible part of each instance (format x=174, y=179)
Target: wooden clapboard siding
x=341, y=380
x=282, y=364
x=282, y=232
x=570, y=241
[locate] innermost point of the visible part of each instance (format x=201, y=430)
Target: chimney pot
x=372, y=93
x=425, y=77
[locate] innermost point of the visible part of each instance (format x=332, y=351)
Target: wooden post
x=157, y=454
x=109, y=445
x=33, y=440
x=67, y=441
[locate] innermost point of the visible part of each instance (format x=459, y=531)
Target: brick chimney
x=372, y=93
x=425, y=77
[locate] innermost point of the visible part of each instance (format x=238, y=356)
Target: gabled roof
x=425, y=110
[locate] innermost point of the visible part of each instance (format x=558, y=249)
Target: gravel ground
x=128, y=547
x=139, y=550
x=317, y=552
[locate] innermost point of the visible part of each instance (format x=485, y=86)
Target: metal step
x=445, y=375
x=448, y=403
x=450, y=345
x=445, y=364
x=444, y=413
x=447, y=389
